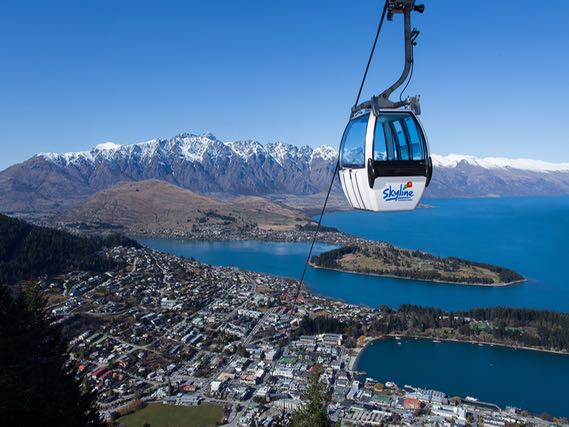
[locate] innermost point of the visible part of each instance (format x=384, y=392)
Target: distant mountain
x=49, y=183
x=201, y=163
x=468, y=176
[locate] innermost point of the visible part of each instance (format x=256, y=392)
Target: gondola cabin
x=384, y=160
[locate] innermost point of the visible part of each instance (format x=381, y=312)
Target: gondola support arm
x=405, y=7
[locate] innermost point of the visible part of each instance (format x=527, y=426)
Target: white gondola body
x=389, y=193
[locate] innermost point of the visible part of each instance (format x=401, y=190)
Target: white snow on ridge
x=246, y=148
x=66, y=158
x=325, y=152
x=452, y=160
x=107, y=146
x=192, y=148
x=279, y=151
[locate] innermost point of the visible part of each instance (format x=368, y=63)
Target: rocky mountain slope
x=203, y=164
x=51, y=183
x=468, y=176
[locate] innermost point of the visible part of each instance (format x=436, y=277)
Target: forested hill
x=27, y=251
x=387, y=260
x=539, y=329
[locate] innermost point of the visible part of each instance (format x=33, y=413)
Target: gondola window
x=353, y=144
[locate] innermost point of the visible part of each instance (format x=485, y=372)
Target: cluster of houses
x=170, y=329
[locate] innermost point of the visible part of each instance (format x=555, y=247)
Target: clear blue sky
x=493, y=75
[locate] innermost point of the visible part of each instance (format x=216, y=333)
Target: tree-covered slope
x=27, y=250
x=38, y=384
x=387, y=260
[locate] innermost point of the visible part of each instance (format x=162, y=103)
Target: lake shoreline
x=500, y=367
x=335, y=239
x=371, y=340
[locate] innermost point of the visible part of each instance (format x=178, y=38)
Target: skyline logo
x=403, y=194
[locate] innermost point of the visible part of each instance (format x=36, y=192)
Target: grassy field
x=159, y=415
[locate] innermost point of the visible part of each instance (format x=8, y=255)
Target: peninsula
x=178, y=213
x=384, y=259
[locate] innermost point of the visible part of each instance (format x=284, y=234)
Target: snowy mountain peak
x=246, y=148
x=454, y=160
x=325, y=152
x=193, y=148
x=109, y=146
x=50, y=182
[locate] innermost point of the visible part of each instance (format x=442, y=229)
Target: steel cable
x=336, y=168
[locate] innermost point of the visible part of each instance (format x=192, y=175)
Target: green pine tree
x=38, y=387
x=313, y=412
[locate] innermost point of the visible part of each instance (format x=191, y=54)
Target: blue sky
x=492, y=74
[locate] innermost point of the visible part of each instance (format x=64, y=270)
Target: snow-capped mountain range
x=51, y=182
x=193, y=148
x=453, y=160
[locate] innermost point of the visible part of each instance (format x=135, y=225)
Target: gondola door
x=397, y=162
x=353, y=172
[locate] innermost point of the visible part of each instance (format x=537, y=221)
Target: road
x=258, y=325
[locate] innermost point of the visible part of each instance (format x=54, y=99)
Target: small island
x=384, y=259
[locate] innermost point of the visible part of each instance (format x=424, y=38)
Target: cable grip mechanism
x=404, y=7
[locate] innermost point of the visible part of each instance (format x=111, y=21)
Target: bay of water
x=529, y=235
x=505, y=376
x=278, y=258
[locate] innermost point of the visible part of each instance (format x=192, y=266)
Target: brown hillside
x=154, y=206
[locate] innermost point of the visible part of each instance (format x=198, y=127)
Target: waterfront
x=508, y=377
x=278, y=258
x=525, y=234
x=202, y=308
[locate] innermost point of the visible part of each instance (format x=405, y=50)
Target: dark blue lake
x=529, y=235
x=278, y=258
x=505, y=376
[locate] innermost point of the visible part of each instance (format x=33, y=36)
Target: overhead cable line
x=315, y=235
